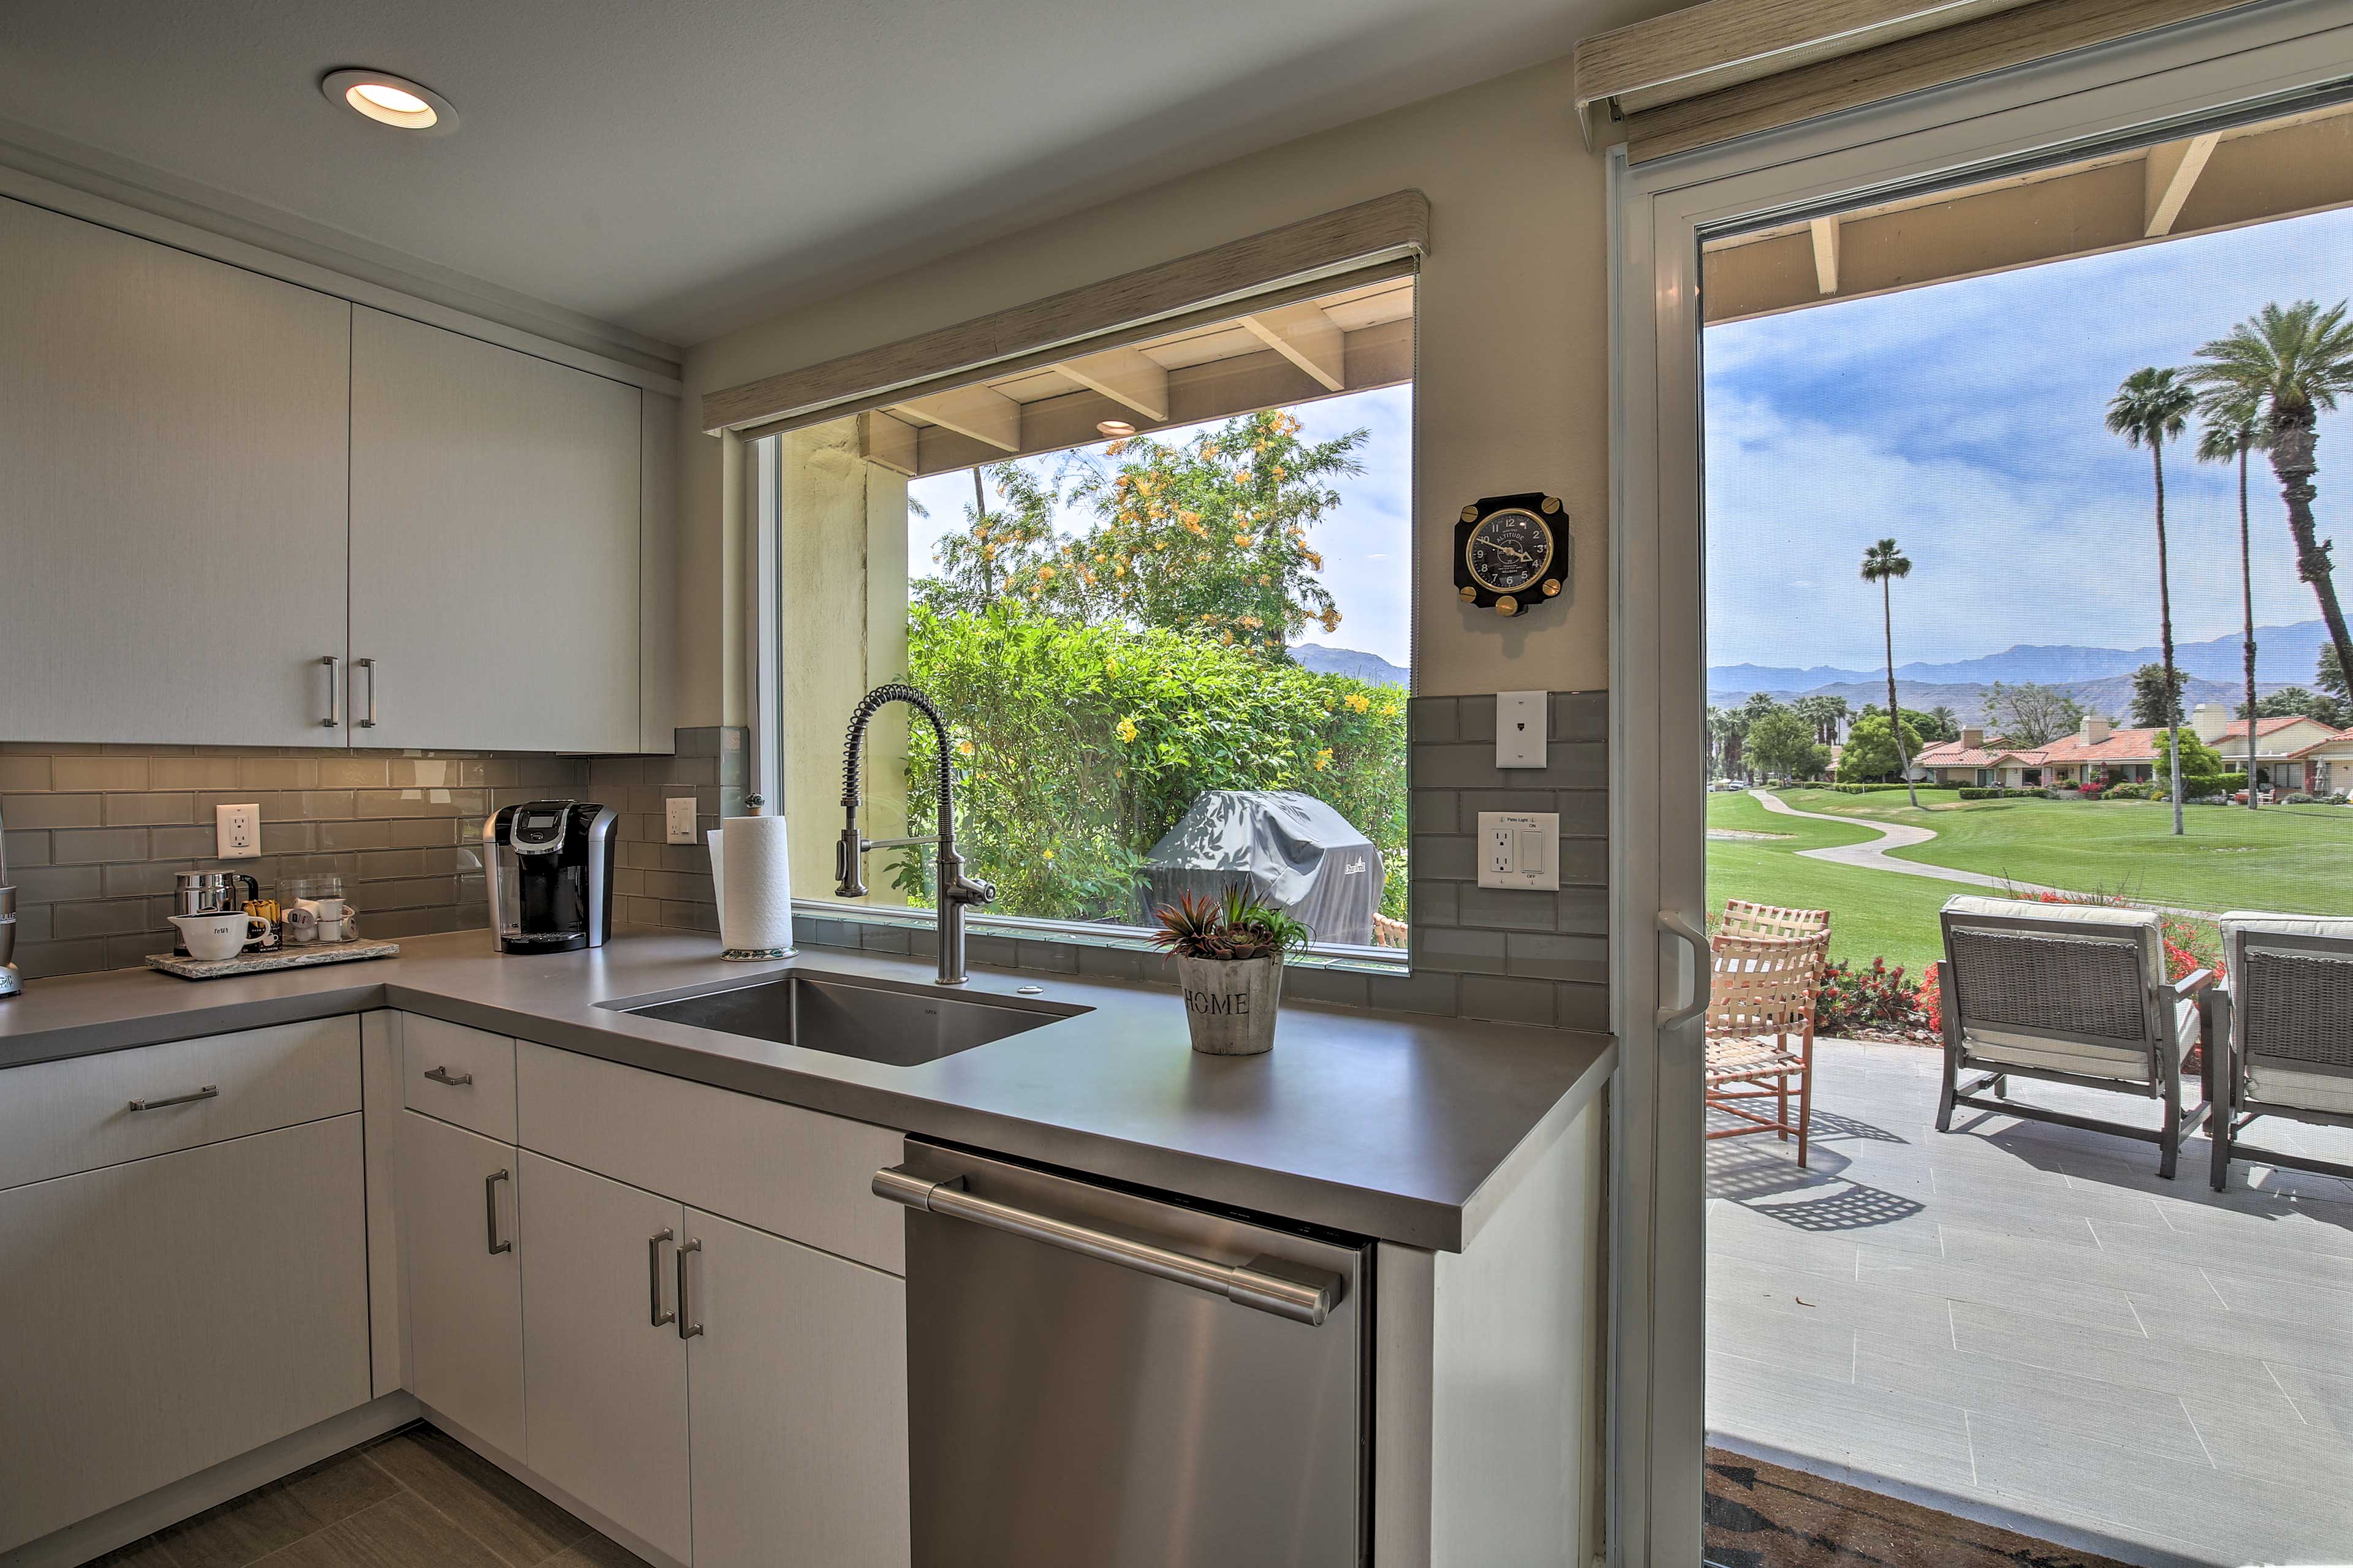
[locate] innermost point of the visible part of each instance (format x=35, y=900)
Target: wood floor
x=415, y=1499
x=2021, y=1322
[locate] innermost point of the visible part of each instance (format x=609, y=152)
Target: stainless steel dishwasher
x=1098, y=1379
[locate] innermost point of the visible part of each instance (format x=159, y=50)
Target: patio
x=2022, y=1323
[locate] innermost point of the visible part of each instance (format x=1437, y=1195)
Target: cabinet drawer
x=484, y=1098
x=57, y=1118
x=796, y=1172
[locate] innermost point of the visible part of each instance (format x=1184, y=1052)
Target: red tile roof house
x=2291, y=753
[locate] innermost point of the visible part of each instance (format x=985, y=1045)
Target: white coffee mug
x=219, y=936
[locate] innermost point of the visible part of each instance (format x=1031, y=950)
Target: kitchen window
x=1162, y=596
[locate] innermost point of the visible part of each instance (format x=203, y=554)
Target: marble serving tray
x=258, y=962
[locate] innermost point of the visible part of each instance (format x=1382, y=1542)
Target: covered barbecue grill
x=1292, y=850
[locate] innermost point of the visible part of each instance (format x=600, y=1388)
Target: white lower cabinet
x=461, y=1234
x=798, y=1387
x=167, y=1313
x=604, y=1378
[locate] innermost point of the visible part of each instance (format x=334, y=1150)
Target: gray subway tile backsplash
x=95, y=833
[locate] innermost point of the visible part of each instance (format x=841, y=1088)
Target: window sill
x=1027, y=931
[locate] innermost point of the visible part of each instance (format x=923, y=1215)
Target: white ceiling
x=679, y=168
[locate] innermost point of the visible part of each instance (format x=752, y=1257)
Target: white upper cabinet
x=495, y=564
x=173, y=521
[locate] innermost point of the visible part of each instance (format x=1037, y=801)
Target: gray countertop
x=1409, y=1128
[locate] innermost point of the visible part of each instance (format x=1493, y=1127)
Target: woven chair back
x=2076, y=987
x=2297, y=1006
x=1742, y=918
x=1763, y=985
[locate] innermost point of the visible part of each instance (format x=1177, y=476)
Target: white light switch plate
x=1519, y=850
x=678, y=817
x=236, y=831
x=1520, y=729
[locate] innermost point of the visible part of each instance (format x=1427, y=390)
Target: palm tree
x=2291, y=365
x=2149, y=409
x=2232, y=428
x=1882, y=564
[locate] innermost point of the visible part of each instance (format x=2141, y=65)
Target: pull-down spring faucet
x=957, y=890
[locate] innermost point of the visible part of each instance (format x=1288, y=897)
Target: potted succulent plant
x=1230, y=954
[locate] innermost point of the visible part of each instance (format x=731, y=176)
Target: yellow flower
x=965, y=748
x=1322, y=759
x=1126, y=730
x=988, y=552
x=1046, y=854
x=1358, y=702
x=1226, y=636
x=1119, y=568
x=1278, y=470
x=1208, y=448
x=1241, y=476
x=1264, y=581
x=1390, y=710
x=1243, y=540
x=1090, y=579
x=1252, y=622
x=1046, y=573
x=1331, y=620
x=1111, y=667
x=1158, y=546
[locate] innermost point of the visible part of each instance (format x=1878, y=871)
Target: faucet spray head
x=847, y=862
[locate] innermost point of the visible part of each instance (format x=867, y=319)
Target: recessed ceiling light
x=1115, y=427
x=391, y=100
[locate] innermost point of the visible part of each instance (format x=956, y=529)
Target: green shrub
x=1976, y=792
x=1081, y=745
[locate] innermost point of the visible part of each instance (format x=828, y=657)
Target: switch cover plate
x=679, y=818
x=1520, y=729
x=236, y=831
x=1519, y=850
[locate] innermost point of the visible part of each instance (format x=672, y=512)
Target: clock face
x=1509, y=549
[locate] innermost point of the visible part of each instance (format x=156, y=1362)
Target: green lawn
x=2292, y=859
x=2295, y=858
x=1872, y=912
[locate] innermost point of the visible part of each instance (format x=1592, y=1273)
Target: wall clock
x=1509, y=552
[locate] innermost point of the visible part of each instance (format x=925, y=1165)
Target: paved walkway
x=1892, y=836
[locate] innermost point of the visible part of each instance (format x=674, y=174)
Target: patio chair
x=1742, y=918
x=2279, y=1041
x=2071, y=993
x=1761, y=995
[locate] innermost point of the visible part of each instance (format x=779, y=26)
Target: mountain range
x=2098, y=677
x=1370, y=668
x=2285, y=655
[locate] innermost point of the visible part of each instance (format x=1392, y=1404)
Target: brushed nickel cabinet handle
x=335, y=718
x=368, y=665
x=443, y=1075
x=689, y=1327
x=491, y=1209
x=210, y=1091
x=656, y=1313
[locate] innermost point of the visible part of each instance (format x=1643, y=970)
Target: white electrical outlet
x=678, y=817
x=1520, y=729
x=236, y=831
x=1519, y=850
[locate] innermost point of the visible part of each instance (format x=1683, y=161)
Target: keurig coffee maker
x=551, y=875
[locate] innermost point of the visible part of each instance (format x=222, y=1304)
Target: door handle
x=1703, y=975
x=210, y=1091
x=1305, y=1296
x=689, y=1326
x=335, y=718
x=443, y=1075
x=491, y=1209
x=368, y=665
x=654, y=1276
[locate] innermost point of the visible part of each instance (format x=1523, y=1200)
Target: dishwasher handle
x=1267, y=1284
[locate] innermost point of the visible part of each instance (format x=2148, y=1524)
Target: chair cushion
x=2278, y=1084
x=2087, y=1059
x=2100, y=920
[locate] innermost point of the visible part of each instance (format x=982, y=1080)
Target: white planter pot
x=1231, y=1004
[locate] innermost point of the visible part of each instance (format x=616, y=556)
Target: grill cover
x=1293, y=850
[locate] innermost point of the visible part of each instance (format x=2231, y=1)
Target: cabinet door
x=173, y=438
x=605, y=1383
x=461, y=1243
x=799, y=1385
x=494, y=545
x=165, y=1314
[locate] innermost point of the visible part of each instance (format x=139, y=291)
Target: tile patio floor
x=2022, y=1323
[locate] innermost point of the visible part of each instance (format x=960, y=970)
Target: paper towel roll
x=752, y=878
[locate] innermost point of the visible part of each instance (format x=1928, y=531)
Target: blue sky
x=1364, y=542
x=1965, y=420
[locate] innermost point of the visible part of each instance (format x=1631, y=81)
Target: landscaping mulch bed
x=1763, y=1516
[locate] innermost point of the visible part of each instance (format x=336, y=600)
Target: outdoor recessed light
x=391, y=100
x=1115, y=427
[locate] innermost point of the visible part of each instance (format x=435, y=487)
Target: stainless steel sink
x=873, y=1021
